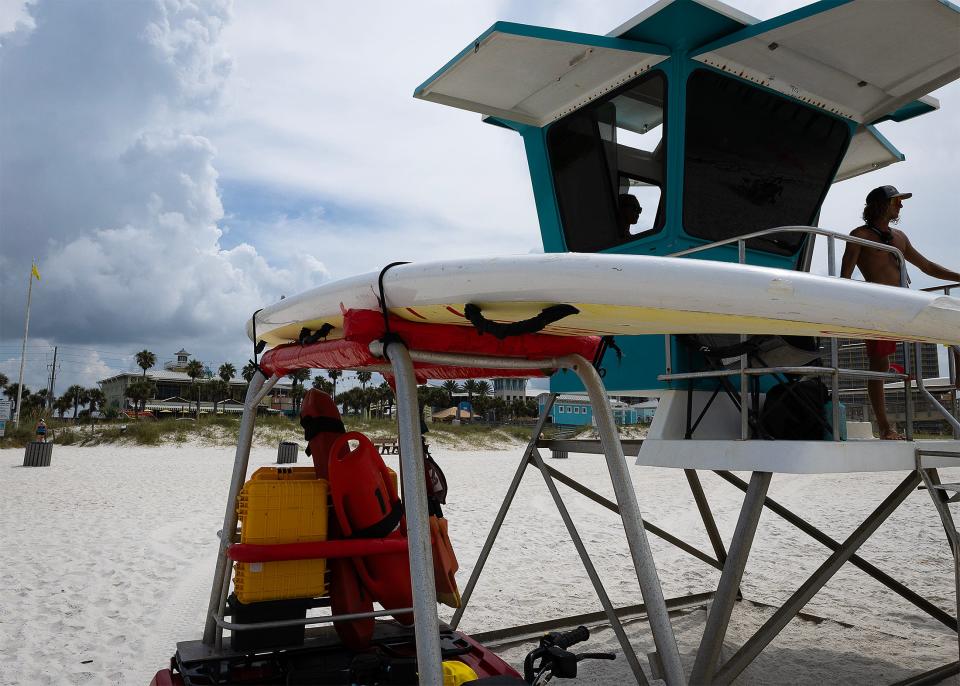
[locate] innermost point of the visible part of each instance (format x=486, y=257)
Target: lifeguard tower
x=714, y=125
x=694, y=130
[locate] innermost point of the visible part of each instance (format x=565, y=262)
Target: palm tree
x=298, y=376
x=10, y=390
x=387, y=395
x=227, y=371
x=140, y=392
x=364, y=379
x=76, y=395
x=61, y=405
x=249, y=369
x=470, y=386
x=322, y=384
x=145, y=360
x=483, y=389
x=195, y=370
x=334, y=374
x=219, y=389
x=96, y=399
x=451, y=387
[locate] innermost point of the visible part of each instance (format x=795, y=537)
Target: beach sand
x=109, y=556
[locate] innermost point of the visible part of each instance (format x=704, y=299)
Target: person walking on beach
x=41, y=431
x=880, y=212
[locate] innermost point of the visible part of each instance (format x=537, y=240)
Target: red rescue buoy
x=322, y=426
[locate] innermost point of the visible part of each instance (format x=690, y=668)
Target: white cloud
x=108, y=184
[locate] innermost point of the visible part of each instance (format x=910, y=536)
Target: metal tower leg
x=640, y=551
x=719, y=617
x=426, y=627
x=501, y=514
x=256, y=389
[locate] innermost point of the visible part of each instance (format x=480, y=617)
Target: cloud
x=108, y=184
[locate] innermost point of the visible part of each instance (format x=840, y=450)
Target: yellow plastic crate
x=281, y=509
x=284, y=474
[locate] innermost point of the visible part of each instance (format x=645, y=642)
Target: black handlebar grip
x=569, y=638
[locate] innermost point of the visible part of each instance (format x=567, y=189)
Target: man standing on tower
x=882, y=209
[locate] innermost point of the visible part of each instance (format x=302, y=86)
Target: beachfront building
x=575, y=410
x=510, y=389
x=645, y=410
x=175, y=393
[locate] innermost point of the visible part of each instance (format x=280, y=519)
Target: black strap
x=307, y=336
x=547, y=316
x=258, y=346
x=606, y=343
x=388, y=336
x=384, y=526
x=315, y=425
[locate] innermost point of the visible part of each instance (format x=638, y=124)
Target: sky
x=174, y=165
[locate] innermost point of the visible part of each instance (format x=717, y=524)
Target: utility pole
x=26, y=331
x=53, y=379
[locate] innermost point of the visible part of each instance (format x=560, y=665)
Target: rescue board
x=624, y=295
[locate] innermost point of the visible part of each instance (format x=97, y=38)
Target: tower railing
x=833, y=370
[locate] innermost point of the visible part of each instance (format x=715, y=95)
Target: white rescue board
x=624, y=295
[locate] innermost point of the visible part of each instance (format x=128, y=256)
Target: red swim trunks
x=881, y=348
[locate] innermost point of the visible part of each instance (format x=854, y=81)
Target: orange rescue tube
x=445, y=564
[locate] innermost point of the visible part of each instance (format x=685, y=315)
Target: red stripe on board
x=459, y=314
x=415, y=313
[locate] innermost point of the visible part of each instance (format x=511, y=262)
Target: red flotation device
x=322, y=427
x=366, y=505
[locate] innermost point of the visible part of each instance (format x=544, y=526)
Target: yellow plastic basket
x=281, y=509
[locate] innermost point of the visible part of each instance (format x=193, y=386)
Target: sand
x=109, y=555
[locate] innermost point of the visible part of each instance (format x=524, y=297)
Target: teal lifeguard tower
x=709, y=123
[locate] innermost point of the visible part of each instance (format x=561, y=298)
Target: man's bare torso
x=879, y=266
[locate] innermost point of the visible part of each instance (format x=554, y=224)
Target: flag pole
x=23, y=349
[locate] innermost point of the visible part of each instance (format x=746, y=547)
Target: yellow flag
x=34, y=271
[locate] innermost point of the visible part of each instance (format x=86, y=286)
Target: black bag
x=793, y=411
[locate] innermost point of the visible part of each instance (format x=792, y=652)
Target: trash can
x=38, y=454
x=559, y=454
x=287, y=452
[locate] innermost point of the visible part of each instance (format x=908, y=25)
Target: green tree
x=11, y=392
x=388, y=396
x=96, y=399
x=227, y=371
x=61, y=405
x=470, y=386
x=219, y=390
x=3, y=381
x=249, y=369
x=451, y=387
x=484, y=389
x=195, y=370
x=322, y=384
x=140, y=392
x=297, y=376
x=77, y=396
x=334, y=374
x=364, y=378
x=145, y=360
